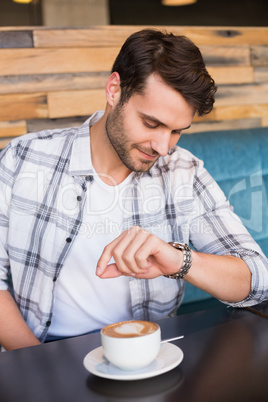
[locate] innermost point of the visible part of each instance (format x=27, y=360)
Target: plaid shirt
x=41, y=176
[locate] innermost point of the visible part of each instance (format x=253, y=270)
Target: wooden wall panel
x=35, y=125
x=56, y=77
x=75, y=103
x=115, y=35
x=259, y=56
x=236, y=112
x=21, y=106
x=261, y=74
x=264, y=121
x=227, y=36
x=12, y=128
x=51, y=82
x=224, y=125
x=49, y=61
x=15, y=39
x=250, y=94
x=226, y=55
x=232, y=74
x=101, y=36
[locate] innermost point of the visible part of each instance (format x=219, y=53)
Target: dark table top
x=225, y=359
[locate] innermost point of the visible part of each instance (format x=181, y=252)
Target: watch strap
x=187, y=260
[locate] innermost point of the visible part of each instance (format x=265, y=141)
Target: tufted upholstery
x=238, y=161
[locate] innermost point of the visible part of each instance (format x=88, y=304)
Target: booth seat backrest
x=238, y=161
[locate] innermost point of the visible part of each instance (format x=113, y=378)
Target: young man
x=87, y=214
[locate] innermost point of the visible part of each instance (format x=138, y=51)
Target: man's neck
x=105, y=161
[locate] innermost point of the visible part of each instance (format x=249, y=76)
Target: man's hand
x=138, y=253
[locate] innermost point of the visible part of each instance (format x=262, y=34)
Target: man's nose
x=161, y=143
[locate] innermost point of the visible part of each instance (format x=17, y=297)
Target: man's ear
x=113, y=90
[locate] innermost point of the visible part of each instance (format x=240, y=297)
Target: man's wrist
x=187, y=260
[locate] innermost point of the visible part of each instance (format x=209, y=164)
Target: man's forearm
x=225, y=277
x=138, y=253
x=14, y=332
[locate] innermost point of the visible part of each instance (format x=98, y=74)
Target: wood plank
x=16, y=39
x=223, y=125
x=95, y=36
x=52, y=82
x=36, y=125
x=22, y=106
x=261, y=74
x=235, y=112
x=16, y=128
x=241, y=112
x=19, y=28
x=228, y=35
x=51, y=61
x=12, y=128
x=264, y=122
x=232, y=75
x=226, y=55
x=259, y=56
x=75, y=103
x=69, y=81
x=247, y=94
x=114, y=35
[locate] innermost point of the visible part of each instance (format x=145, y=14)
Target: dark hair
x=176, y=59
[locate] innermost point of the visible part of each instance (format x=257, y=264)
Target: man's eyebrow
x=155, y=120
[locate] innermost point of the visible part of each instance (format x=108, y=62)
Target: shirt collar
x=80, y=160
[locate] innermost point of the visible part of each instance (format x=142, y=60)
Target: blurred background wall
x=80, y=13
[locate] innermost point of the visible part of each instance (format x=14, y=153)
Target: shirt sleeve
x=6, y=183
x=216, y=229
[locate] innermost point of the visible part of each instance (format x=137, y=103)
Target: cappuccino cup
x=131, y=345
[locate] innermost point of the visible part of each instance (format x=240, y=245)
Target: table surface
x=225, y=359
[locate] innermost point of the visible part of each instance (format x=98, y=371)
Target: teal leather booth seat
x=238, y=161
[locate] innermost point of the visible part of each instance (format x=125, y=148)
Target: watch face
x=179, y=246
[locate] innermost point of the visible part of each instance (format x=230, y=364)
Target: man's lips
x=148, y=156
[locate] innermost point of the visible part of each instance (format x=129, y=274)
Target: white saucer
x=168, y=358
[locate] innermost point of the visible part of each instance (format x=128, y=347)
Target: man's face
x=148, y=125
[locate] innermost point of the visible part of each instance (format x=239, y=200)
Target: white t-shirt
x=82, y=301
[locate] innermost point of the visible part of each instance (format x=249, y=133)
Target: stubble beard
x=117, y=136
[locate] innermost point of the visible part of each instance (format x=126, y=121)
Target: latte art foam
x=130, y=329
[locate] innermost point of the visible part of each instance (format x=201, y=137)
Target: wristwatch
x=187, y=260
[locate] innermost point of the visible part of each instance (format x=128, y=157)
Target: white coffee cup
x=131, y=345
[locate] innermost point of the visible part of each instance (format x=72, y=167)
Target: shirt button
x=48, y=323
x=89, y=178
x=79, y=198
x=68, y=240
x=54, y=279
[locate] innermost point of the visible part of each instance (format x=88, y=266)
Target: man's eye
x=149, y=125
